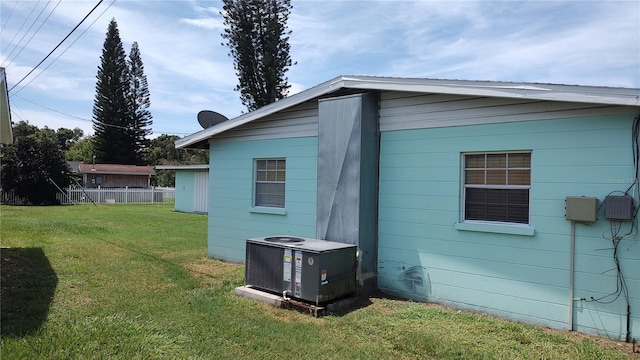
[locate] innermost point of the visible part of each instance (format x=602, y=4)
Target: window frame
x=506, y=186
x=266, y=206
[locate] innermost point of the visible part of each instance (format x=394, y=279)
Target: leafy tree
x=140, y=100
x=23, y=129
x=257, y=36
x=115, y=138
x=31, y=165
x=162, y=151
x=63, y=136
x=82, y=150
x=68, y=137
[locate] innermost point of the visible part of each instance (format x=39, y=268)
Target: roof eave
x=537, y=91
x=182, y=167
x=101, y=172
x=197, y=140
x=532, y=91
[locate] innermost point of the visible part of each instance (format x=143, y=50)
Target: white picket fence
x=153, y=195
x=10, y=197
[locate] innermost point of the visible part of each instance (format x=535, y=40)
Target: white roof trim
x=531, y=91
x=182, y=167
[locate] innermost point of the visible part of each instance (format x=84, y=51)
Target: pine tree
x=257, y=36
x=113, y=123
x=140, y=100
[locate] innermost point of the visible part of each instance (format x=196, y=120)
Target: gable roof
x=115, y=169
x=531, y=91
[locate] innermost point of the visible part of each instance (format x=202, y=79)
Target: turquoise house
x=191, y=188
x=513, y=199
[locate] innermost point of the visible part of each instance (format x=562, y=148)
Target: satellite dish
x=208, y=118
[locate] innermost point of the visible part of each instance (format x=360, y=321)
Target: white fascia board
x=272, y=108
x=182, y=167
x=531, y=91
x=534, y=91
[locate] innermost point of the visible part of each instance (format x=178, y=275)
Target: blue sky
x=564, y=42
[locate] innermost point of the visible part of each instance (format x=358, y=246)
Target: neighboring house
x=115, y=176
x=6, y=134
x=74, y=166
x=192, y=187
x=455, y=191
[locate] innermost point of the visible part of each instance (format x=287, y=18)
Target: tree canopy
x=257, y=36
x=162, y=151
x=63, y=136
x=34, y=166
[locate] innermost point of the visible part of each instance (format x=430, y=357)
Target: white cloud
x=296, y=88
x=208, y=23
x=575, y=42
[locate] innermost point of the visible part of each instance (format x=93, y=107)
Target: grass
x=133, y=282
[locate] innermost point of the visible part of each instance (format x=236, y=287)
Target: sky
x=591, y=43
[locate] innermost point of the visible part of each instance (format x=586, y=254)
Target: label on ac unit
x=286, y=265
x=297, y=291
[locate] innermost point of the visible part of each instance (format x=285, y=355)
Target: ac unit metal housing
x=312, y=270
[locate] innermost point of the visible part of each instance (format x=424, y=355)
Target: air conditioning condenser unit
x=312, y=270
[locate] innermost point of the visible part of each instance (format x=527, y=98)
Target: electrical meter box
x=618, y=207
x=581, y=208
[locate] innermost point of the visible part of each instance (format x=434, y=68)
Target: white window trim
x=268, y=210
x=495, y=227
x=500, y=227
x=277, y=210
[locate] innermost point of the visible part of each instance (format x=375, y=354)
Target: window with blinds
x=497, y=186
x=270, y=182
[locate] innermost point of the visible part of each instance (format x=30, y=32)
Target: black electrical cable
x=16, y=45
x=615, y=229
x=78, y=117
x=64, y=51
x=635, y=147
x=36, y=32
x=23, y=24
x=621, y=284
x=6, y=21
x=57, y=46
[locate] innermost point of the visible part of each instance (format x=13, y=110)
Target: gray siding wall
x=405, y=111
x=298, y=121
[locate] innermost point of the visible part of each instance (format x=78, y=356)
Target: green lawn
x=133, y=282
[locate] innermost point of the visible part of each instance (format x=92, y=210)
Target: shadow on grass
x=28, y=283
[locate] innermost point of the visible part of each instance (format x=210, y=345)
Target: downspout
x=572, y=248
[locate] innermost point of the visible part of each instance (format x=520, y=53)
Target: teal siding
x=231, y=191
x=577, y=149
x=184, y=191
x=423, y=256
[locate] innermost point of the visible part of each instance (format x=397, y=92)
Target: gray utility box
x=581, y=208
x=311, y=270
x=618, y=207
